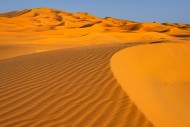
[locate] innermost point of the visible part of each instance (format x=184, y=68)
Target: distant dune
x=55, y=71
x=46, y=29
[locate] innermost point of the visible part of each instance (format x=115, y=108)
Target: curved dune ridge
x=157, y=78
x=65, y=88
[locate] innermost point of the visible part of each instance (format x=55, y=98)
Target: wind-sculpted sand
x=65, y=88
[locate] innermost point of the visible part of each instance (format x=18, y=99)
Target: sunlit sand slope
x=157, y=79
x=65, y=88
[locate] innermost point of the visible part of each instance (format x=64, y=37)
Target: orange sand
x=157, y=78
x=55, y=69
x=70, y=87
x=43, y=29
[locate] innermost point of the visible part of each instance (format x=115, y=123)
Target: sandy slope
x=157, y=78
x=65, y=88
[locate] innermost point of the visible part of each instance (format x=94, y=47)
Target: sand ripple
x=65, y=88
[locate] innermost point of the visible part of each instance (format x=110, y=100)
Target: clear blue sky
x=137, y=10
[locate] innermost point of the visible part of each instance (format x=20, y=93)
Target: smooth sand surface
x=65, y=88
x=157, y=78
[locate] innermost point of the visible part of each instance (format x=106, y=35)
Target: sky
x=136, y=10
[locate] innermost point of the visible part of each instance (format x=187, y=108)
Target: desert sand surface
x=55, y=69
x=65, y=88
x=157, y=77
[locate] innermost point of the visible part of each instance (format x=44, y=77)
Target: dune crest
x=157, y=78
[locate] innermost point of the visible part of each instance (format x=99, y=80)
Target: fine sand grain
x=65, y=88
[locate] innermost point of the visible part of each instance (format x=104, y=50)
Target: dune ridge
x=69, y=87
x=156, y=77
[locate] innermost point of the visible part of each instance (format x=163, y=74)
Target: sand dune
x=157, y=78
x=74, y=86
x=44, y=26
x=68, y=88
